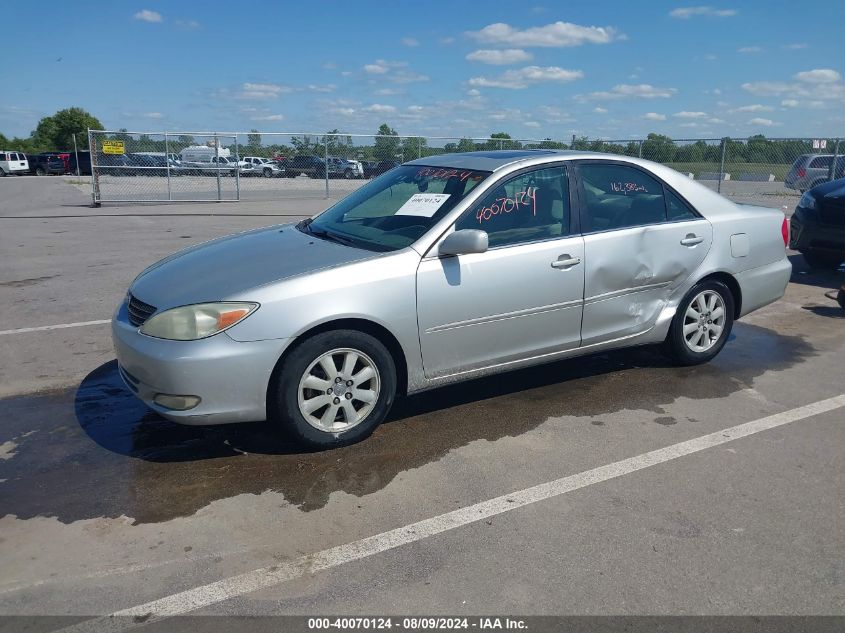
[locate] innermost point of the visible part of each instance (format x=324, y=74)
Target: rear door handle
x=565, y=261
x=691, y=240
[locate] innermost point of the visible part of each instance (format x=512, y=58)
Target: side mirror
x=464, y=242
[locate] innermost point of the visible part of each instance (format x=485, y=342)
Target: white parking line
x=60, y=326
x=215, y=592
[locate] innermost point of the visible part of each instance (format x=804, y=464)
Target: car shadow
x=99, y=452
x=804, y=275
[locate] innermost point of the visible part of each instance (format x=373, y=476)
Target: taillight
x=784, y=231
x=802, y=172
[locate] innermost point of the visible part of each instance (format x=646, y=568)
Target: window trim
x=574, y=217
x=620, y=163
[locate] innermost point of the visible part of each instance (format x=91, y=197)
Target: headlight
x=807, y=201
x=201, y=320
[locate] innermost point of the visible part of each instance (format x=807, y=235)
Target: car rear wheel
x=822, y=261
x=39, y=171
x=702, y=323
x=334, y=389
x=268, y=173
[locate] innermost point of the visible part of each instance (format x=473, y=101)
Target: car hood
x=227, y=267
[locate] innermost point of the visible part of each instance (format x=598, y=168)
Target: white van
x=13, y=163
x=202, y=154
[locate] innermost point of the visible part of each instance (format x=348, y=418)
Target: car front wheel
x=334, y=389
x=702, y=323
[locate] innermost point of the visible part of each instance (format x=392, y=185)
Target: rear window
x=3, y=156
x=821, y=162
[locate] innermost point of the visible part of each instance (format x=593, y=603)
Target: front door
x=520, y=299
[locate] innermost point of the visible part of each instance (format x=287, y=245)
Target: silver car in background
x=444, y=269
x=810, y=170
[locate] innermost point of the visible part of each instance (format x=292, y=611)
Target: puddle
x=102, y=453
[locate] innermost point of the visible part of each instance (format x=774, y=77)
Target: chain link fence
x=190, y=166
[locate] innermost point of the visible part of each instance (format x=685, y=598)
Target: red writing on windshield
x=436, y=172
x=521, y=199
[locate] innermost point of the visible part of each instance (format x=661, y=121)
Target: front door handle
x=691, y=240
x=565, y=261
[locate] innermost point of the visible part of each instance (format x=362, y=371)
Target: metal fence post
x=76, y=153
x=832, y=174
x=722, y=166
x=95, y=176
x=326, y=163
x=217, y=158
x=237, y=171
x=640, y=148
x=419, y=147
x=167, y=162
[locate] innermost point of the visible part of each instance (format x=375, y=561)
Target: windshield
x=397, y=208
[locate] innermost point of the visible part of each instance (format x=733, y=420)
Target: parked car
x=115, y=165
x=444, y=269
x=344, y=168
x=369, y=168
x=149, y=164
x=817, y=228
x=385, y=166
x=311, y=166
x=258, y=166
x=810, y=170
x=13, y=163
x=211, y=167
x=84, y=163
x=45, y=164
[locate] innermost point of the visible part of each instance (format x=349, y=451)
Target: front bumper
x=810, y=235
x=228, y=376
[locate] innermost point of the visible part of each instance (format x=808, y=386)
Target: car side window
x=618, y=196
x=677, y=209
x=530, y=207
x=2, y=156
x=821, y=162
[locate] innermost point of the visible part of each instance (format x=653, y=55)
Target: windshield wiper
x=305, y=226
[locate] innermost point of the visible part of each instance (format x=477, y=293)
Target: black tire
x=283, y=391
x=822, y=261
x=348, y=174
x=39, y=171
x=676, y=346
x=2, y=173
x=268, y=173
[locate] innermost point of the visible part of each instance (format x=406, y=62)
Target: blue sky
x=606, y=69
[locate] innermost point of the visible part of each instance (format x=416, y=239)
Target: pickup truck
x=258, y=166
x=311, y=166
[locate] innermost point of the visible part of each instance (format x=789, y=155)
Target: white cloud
x=154, y=115
x=654, y=116
x=749, y=49
x=768, y=88
x=819, y=76
x=500, y=57
x=397, y=72
x=379, y=108
x=756, y=107
x=600, y=110
x=790, y=103
x=388, y=92
x=685, y=114
x=410, y=41
x=473, y=92
x=762, y=122
x=556, y=35
x=685, y=13
x=322, y=88
x=262, y=91
x=447, y=40
x=626, y=91
x=795, y=47
x=715, y=120
x=552, y=114
x=524, y=77
x=188, y=24
x=145, y=15
x=531, y=123
x=269, y=117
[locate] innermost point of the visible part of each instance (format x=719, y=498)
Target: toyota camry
x=441, y=270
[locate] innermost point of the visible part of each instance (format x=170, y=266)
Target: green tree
x=466, y=145
x=253, y=141
x=659, y=148
x=56, y=132
x=387, y=143
x=413, y=147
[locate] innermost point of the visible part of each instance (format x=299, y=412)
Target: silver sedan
x=441, y=270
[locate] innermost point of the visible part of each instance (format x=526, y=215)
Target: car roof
x=493, y=160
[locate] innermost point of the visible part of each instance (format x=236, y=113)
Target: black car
x=46, y=164
x=312, y=166
x=385, y=166
x=84, y=163
x=369, y=168
x=817, y=228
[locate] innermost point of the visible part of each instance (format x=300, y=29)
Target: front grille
x=139, y=311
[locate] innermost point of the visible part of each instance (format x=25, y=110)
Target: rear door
x=641, y=242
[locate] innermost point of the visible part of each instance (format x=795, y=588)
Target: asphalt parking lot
x=656, y=495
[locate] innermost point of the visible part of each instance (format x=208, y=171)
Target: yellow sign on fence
x=114, y=147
